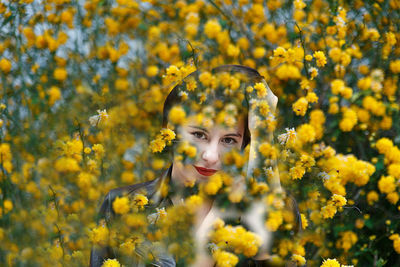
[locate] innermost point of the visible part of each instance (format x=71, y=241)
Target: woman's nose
x=210, y=154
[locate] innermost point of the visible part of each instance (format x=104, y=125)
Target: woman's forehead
x=212, y=124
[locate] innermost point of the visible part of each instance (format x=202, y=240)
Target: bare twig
x=354, y=207
x=304, y=49
x=232, y=20
x=81, y=136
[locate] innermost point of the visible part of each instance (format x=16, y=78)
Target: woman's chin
x=203, y=178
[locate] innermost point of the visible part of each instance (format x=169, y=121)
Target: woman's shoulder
x=146, y=188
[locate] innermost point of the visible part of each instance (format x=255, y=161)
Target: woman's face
x=211, y=144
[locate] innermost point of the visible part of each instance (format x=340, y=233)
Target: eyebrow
x=234, y=134
x=205, y=130
x=200, y=128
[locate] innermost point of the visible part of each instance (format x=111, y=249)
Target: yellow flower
x=384, y=145
x=346, y=125
x=218, y=223
x=304, y=221
x=300, y=106
x=67, y=17
x=387, y=184
x=299, y=260
x=187, y=149
x=121, y=84
x=66, y=164
x=267, y=150
x=128, y=247
x=264, y=108
x=396, y=242
x=212, y=28
x=335, y=54
x=30, y=35
x=213, y=184
x=313, y=72
x=261, y=90
x=191, y=85
x=364, y=83
x=275, y=219
x=349, y=120
x=235, y=238
x=194, y=201
x=391, y=38
x=395, y=66
x=299, y=4
x=111, y=263
x=205, y=78
x=280, y=54
x=259, y=52
x=243, y=43
x=328, y=211
x=288, y=71
x=320, y=58
x=168, y=134
x=233, y=51
x=317, y=116
x=337, y=86
x=152, y=71
x=297, y=172
x=191, y=29
x=99, y=235
x=140, y=200
x=339, y=200
x=173, y=74
x=386, y=123
x=127, y=177
x=234, y=83
x=393, y=197
x=235, y=196
x=121, y=205
x=372, y=197
x=177, y=115
x=348, y=239
x=8, y=205
x=225, y=259
x=394, y=170
x=112, y=26
x=330, y=263
x=157, y=145
x=5, y=65
x=98, y=150
x=54, y=95
x=312, y=97
x=60, y=74
x=306, y=133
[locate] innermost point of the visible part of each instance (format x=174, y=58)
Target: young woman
x=216, y=115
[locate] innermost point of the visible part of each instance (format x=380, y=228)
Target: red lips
x=205, y=171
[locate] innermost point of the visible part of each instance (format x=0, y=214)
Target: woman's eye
x=199, y=135
x=229, y=141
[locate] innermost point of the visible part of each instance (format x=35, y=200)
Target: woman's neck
x=178, y=181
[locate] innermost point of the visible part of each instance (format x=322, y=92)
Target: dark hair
x=174, y=98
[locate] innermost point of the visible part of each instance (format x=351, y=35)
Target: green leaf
x=379, y=165
x=7, y=20
x=369, y=224
x=380, y=262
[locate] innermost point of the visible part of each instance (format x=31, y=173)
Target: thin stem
x=304, y=49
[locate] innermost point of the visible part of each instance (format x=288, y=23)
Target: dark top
x=99, y=254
